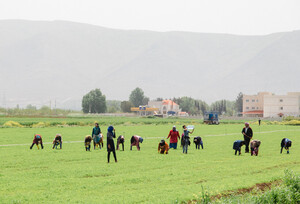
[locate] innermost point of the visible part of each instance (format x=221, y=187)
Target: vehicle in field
x=211, y=117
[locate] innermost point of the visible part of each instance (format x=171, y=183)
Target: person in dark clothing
x=198, y=141
x=57, y=141
x=120, y=140
x=135, y=141
x=110, y=143
x=237, y=146
x=186, y=138
x=87, y=142
x=285, y=143
x=259, y=121
x=97, y=136
x=248, y=134
x=37, y=140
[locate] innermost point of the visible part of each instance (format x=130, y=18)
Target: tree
x=113, y=106
x=187, y=104
x=239, y=103
x=126, y=106
x=94, y=102
x=137, y=97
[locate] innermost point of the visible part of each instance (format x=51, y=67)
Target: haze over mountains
x=44, y=61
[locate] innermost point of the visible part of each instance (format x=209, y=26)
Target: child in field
x=163, y=147
x=37, y=140
x=87, y=142
x=237, y=146
x=110, y=143
x=57, y=141
x=286, y=144
x=135, y=141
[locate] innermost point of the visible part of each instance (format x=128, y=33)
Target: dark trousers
x=56, y=144
x=108, y=156
x=198, y=145
x=34, y=143
x=238, y=150
x=88, y=147
x=247, y=142
x=119, y=144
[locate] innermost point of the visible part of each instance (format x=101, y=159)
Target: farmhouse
x=165, y=107
x=266, y=104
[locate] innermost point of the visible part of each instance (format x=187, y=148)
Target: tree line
x=95, y=102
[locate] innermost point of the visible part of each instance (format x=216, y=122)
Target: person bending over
x=163, y=147
x=37, y=140
x=57, y=141
x=237, y=146
x=120, y=140
x=135, y=141
x=286, y=144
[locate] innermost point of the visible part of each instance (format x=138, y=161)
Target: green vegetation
x=72, y=175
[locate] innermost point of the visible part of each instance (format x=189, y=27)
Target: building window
x=256, y=108
x=256, y=100
x=281, y=108
x=247, y=108
x=247, y=100
x=253, y=100
x=281, y=100
x=253, y=108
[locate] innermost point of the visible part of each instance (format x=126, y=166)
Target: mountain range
x=57, y=62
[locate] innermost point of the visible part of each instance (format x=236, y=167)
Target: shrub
x=12, y=124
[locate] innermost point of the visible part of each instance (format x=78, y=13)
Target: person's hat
x=174, y=126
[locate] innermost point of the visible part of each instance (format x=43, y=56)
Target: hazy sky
x=215, y=16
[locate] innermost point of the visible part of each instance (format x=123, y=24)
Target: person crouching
x=57, y=141
x=120, y=140
x=254, y=145
x=37, y=140
x=237, y=146
x=163, y=147
x=198, y=141
x=286, y=144
x=135, y=141
x=87, y=142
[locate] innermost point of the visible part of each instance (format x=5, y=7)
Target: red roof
x=254, y=112
x=169, y=102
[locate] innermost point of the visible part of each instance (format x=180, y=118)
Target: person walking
x=186, y=138
x=248, y=134
x=110, y=143
x=174, y=136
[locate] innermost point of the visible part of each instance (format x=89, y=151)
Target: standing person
x=110, y=143
x=248, y=134
x=174, y=136
x=135, y=141
x=37, y=140
x=259, y=121
x=186, y=138
x=96, y=134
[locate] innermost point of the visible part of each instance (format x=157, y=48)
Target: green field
x=72, y=175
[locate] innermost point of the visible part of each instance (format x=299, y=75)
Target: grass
x=72, y=175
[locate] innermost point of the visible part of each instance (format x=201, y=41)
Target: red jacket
x=174, y=136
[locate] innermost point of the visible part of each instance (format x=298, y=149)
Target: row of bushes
x=286, y=193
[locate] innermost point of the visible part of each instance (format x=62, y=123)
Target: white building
x=282, y=105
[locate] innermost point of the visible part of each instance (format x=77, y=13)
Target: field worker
x=97, y=136
x=186, y=138
x=37, y=140
x=135, y=141
x=237, y=146
x=111, y=134
x=174, y=136
x=87, y=142
x=120, y=140
x=254, y=145
x=163, y=147
x=248, y=134
x=198, y=141
x=57, y=141
x=286, y=144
